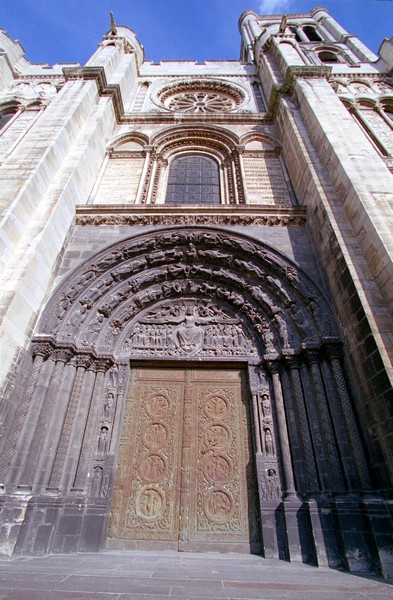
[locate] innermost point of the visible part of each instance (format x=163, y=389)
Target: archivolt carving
x=182, y=292
x=225, y=139
x=130, y=136
x=190, y=293
x=272, y=143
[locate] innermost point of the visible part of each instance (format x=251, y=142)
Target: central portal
x=185, y=478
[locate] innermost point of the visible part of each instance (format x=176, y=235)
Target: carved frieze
x=270, y=220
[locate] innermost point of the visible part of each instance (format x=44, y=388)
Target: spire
x=113, y=24
x=283, y=24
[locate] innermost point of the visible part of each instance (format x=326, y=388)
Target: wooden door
x=185, y=476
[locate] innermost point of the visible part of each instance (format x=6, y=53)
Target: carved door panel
x=185, y=475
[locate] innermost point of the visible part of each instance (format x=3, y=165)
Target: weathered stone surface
x=284, y=278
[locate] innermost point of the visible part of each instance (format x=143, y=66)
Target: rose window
x=200, y=97
x=200, y=102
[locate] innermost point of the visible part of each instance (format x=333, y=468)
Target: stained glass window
x=193, y=180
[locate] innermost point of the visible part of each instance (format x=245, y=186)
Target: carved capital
x=62, y=354
x=102, y=364
x=313, y=357
x=82, y=360
x=293, y=362
x=333, y=351
x=274, y=366
x=43, y=349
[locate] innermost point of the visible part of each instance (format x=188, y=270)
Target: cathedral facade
x=197, y=298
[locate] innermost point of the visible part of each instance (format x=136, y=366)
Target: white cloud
x=270, y=7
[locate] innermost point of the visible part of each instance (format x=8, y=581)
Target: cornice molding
x=272, y=216
x=97, y=74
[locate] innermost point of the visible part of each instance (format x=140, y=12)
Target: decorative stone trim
x=104, y=89
x=161, y=117
x=292, y=74
x=210, y=96
x=270, y=216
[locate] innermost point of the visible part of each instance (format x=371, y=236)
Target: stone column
x=266, y=461
x=304, y=430
x=256, y=424
x=146, y=192
x=232, y=192
x=41, y=352
x=118, y=411
x=302, y=35
x=331, y=472
x=354, y=532
x=161, y=163
x=82, y=362
x=84, y=469
x=40, y=434
x=334, y=355
x=69, y=471
x=290, y=547
x=289, y=482
x=142, y=188
x=240, y=175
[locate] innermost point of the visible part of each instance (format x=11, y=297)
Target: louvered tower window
x=193, y=180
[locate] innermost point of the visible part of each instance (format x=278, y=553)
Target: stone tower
x=196, y=298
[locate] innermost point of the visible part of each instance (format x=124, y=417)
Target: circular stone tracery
x=201, y=97
x=200, y=102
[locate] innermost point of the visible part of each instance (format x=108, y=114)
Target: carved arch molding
x=187, y=293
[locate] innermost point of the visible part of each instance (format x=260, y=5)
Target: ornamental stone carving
x=189, y=292
x=201, y=97
x=187, y=328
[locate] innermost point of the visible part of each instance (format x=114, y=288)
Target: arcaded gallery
x=196, y=298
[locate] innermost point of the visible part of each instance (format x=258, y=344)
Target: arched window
x=388, y=110
x=328, y=57
x=193, y=180
x=5, y=117
x=311, y=33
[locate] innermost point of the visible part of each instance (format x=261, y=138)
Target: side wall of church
x=339, y=167
x=49, y=167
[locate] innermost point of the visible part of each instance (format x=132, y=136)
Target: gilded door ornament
x=150, y=503
x=184, y=473
x=155, y=436
x=146, y=496
x=218, y=506
x=216, y=437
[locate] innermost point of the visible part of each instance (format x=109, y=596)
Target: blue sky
x=69, y=30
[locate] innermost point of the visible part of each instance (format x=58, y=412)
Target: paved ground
x=138, y=575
